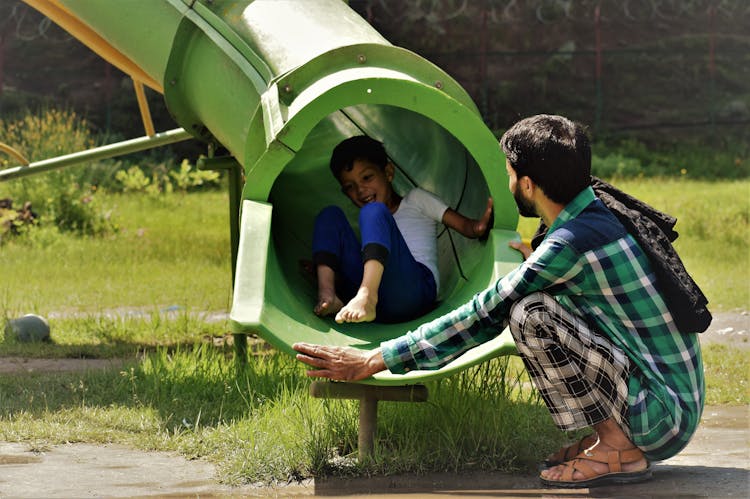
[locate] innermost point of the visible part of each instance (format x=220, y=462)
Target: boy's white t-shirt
x=417, y=218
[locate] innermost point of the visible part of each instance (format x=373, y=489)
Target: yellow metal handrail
x=12, y=152
x=140, y=94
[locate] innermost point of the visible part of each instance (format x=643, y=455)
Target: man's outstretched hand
x=522, y=248
x=339, y=363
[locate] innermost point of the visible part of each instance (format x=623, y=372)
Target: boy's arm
x=469, y=227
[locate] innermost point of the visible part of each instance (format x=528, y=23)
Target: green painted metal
x=234, y=179
x=143, y=30
x=279, y=83
x=97, y=153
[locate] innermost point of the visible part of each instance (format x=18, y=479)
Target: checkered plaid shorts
x=581, y=375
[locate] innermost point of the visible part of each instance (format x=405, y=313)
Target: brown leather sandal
x=569, y=452
x=613, y=459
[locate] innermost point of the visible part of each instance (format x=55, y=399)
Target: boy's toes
x=342, y=315
x=327, y=307
x=321, y=308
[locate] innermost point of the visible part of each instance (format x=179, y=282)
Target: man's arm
x=468, y=227
x=340, y=363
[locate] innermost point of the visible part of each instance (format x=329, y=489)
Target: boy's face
x=366, y=183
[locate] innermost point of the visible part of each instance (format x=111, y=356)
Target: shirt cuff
x=397, y=355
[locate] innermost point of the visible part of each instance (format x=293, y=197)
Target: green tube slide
x=279, y=83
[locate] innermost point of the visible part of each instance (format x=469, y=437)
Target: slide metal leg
x=368, y=397
x=234, y=174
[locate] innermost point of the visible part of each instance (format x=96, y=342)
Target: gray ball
x=27, y=329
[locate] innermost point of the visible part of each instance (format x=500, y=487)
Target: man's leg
x=583, y=379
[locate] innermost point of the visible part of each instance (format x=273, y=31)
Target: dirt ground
x=716, y=463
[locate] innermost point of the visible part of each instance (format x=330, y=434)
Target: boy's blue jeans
x=407, y=289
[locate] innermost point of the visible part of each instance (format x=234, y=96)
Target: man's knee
x=528, y=313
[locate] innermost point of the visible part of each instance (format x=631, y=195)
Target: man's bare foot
x=328, y=305
x=361, y=308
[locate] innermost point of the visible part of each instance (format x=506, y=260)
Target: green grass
x=169, y=251
x=258, y=423
x=180, y=390
x=727, y=375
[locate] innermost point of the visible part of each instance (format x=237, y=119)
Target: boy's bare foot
x=307, y=271
x=361, y=308
x=328, y=305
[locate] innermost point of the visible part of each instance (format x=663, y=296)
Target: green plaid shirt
x=611, y=286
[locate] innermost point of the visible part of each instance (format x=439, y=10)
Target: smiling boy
x=392, y=273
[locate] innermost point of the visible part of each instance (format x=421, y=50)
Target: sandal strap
x=579, y=465
x=614, y=458
x=569, y=452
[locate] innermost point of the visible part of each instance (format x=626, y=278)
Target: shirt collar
x=574, y=208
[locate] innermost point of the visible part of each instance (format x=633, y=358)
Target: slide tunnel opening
x=426, y=155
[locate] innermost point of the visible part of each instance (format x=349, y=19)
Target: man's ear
x=390, y=171
x=527, y=185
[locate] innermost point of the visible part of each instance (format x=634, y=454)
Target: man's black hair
x=553, y=151
x=360, y=147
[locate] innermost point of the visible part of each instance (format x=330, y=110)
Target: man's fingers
x=309, y=349
x=311, y=361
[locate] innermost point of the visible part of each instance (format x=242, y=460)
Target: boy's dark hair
x=553, y=151
x=360, y=147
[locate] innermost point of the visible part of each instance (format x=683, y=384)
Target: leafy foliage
x=62, y=197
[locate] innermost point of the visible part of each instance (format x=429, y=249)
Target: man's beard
x=525, y=208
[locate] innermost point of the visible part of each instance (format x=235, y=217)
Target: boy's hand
x=470, y=227
x=519, y=246
x=482, y=226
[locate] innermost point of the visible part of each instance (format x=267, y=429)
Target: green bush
x=615, y=165
x=133, y=179
x=63, y=197
x=188, y=179
x=631, y=158
x=164, y=180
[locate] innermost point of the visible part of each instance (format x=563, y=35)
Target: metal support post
x=234, y=174
x=368, y=397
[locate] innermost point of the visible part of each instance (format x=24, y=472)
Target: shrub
x=63, y=196
x=186, y=178
x=615, y=165
x=134, y=179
